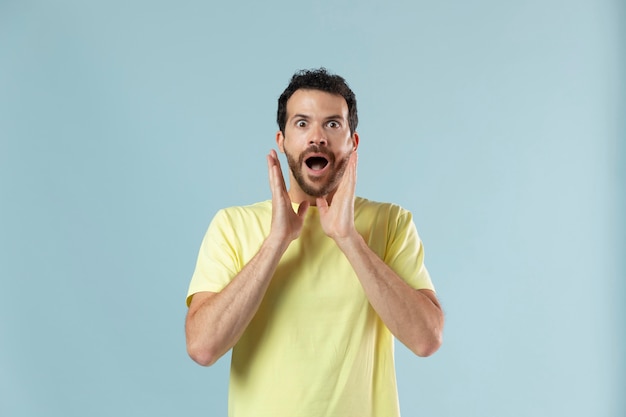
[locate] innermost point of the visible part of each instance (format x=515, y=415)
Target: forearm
x=216, y=321
x=414, y=317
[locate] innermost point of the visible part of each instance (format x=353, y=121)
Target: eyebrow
x=304, y=116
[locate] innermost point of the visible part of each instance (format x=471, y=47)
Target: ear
x=355, y=141
x=280, y=140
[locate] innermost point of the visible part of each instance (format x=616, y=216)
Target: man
x=310, y=287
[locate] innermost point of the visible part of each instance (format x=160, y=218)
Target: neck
x=299, y=197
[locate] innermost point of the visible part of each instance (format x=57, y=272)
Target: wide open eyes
x=331, y=124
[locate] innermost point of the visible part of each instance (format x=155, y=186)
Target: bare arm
x=413, y=316
x=216, y=321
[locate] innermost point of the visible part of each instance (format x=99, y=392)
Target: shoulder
x=258, y=210
x=377, y=209
x=375, y=218
x=235, y=219
x=238, y=223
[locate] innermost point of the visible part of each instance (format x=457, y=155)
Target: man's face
x=317, y=140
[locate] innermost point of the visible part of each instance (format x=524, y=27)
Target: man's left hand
x=337, y=219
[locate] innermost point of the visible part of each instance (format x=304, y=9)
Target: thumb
x=322, y=204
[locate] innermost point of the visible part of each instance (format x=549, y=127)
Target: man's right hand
x=216, y=321
x=286, y=223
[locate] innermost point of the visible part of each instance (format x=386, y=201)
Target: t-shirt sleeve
x=217, y=261
x=405, y=252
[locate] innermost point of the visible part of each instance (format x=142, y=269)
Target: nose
x=318, y=136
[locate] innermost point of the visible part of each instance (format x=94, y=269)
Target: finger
x=279, y=170
x=352, y=163
x=271, y=171
x=276, y=173
x=354, y=158
x=302, y=208
x=270, y=164
x=273, y=156
x=348, y=181
x=277, y=184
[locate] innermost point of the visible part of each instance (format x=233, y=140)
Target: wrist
x=349, y=241
x=276, y=243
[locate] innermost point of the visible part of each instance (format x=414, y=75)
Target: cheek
x=294, y=142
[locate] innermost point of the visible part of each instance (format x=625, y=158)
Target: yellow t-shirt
x=315, y=348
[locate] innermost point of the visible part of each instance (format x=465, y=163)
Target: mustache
x=317, y=150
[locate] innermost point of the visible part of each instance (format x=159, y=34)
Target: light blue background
x=124, y=126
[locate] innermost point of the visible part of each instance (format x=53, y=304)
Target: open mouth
x=316, y=162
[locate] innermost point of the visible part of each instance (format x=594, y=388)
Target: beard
x=317, y=186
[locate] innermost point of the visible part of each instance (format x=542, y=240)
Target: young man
x=308, y=289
